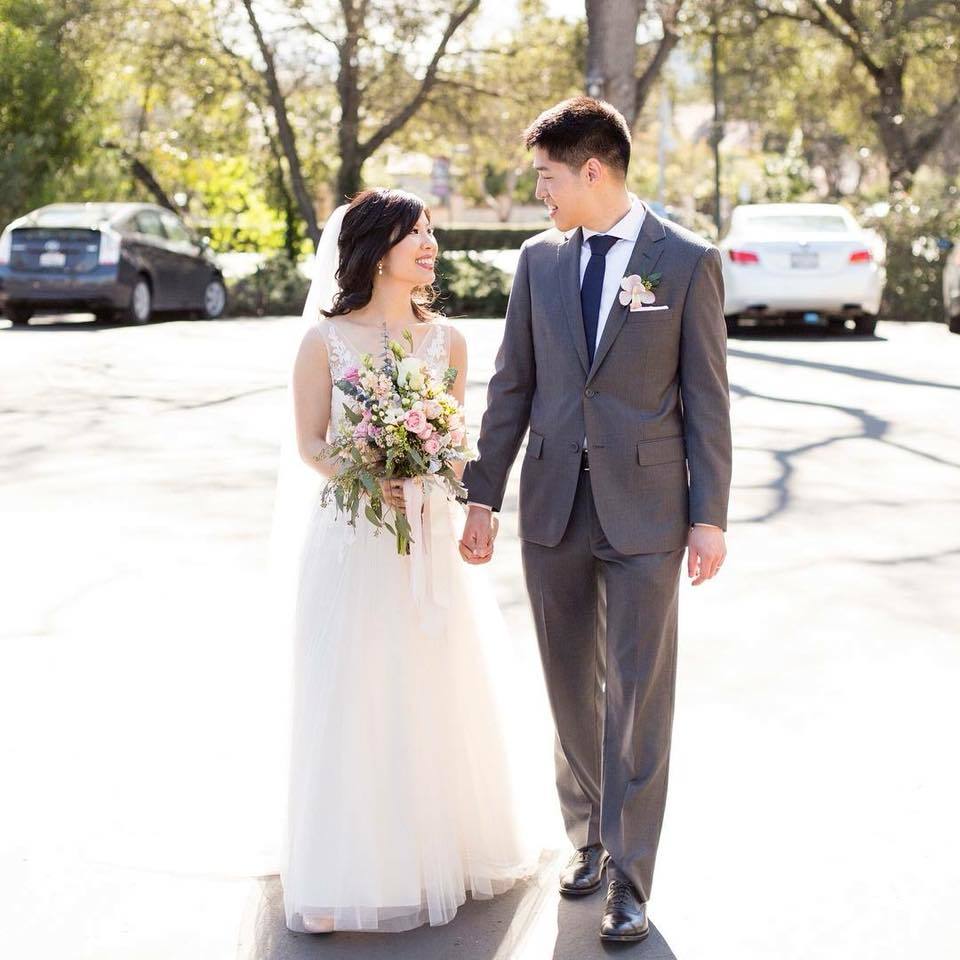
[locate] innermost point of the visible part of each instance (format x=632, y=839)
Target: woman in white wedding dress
x=420, y=740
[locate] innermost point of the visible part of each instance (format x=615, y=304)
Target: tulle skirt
x=420, y=764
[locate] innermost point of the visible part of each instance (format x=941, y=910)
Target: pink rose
x=360, y=431
x=426, y=431
x=415, y=421
x=457, y=437
x=352, y=374
x=432, y=445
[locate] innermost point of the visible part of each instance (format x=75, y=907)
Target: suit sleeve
x=509, y=396
x=705, y=394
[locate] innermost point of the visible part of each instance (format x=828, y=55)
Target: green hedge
x=495, y=237
x=471, y=287
x=468, y=286
x=276, y=289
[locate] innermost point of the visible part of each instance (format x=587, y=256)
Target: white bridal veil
x=299, y=485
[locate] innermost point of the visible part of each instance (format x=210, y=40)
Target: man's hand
x=479, y=532
x=706, y=551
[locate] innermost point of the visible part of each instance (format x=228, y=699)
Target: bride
x=420, y=747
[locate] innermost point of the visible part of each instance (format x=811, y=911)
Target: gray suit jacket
x=654, y=406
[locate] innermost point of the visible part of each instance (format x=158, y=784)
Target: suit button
x=574, y=445
x=591, y=393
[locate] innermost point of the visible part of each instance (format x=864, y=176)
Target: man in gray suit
x=614, y=358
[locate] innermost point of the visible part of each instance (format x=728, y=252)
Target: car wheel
x=866, y=324
x=954, y=323
x=731, y=325
x=140, y=307
x=214, y=299
x=18, y=316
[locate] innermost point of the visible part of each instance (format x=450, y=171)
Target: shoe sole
x=586, y=891
x=625, y=937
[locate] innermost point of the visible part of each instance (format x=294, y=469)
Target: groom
x=627, y=463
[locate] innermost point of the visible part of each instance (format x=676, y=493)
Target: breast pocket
x=643, y=318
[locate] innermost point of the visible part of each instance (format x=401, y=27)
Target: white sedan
x=801, y=263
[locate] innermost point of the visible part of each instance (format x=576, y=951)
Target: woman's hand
x=392, y=491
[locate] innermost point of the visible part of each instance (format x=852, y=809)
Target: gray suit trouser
x=607, y=628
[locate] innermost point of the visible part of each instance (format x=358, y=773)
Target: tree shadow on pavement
x=860, y=373
x=508, y=926
x=867, y=426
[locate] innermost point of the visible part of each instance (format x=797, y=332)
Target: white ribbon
x=430, y=532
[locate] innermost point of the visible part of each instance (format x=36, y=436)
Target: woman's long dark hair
x=375, y=221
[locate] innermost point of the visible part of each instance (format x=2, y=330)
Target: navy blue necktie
x=591, y=290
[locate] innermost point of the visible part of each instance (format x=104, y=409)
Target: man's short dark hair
x=580, y=128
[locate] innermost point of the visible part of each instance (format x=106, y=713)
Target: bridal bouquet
x=400, y=422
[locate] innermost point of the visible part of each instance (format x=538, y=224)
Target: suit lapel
x=568, y=264
x=643, y=261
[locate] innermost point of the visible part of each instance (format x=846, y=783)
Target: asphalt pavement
x=813, y=790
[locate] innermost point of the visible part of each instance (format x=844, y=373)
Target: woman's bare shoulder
x=314, y=347
x=455, y=337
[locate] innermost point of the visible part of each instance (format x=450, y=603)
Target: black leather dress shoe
x=625, y=915
x=582, y=874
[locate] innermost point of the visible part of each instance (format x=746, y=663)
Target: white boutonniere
x=637, y=292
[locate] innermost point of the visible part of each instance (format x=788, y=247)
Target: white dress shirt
x=626, y=230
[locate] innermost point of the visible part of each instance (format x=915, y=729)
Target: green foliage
x=471, y=287
x=43, y=94
x=913, y=225
x=277, y=288
x=479, y=109
x=500, y=237
x=786, y=175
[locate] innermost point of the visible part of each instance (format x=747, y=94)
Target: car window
x=175, y=229
x=815, y=222
x=149, y=223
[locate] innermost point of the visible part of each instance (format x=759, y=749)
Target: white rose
x=407, y=369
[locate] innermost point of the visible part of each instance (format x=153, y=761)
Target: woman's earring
x=380, y=269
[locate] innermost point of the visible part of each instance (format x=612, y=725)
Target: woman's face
x=413, y=258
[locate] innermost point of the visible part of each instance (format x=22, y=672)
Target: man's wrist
x=482, y=506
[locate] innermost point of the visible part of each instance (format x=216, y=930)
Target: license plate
x=52, y=258
x=804, y=261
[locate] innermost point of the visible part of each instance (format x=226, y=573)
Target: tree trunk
x=348, y=91
x=353, y=152
x=284, y=131
x=612, y=53
x=891, y=126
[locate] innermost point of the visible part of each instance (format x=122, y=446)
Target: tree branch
x=399, y=119
x=648, y=77
x=142, y=173
x=284, y=130
x=819, y=17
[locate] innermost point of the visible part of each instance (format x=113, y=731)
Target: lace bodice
x=433, y=349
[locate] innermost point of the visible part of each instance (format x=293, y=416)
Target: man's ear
x=592, y=171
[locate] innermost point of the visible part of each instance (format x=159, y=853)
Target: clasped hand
x=479, y=532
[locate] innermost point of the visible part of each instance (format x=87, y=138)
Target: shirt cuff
x=712, y=525
x=472, y=503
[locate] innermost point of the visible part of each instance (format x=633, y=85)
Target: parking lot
x=813, y=782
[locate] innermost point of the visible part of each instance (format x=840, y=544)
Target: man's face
x=564, y=191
